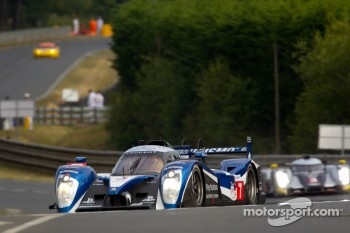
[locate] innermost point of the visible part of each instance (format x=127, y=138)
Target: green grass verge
x=11, y=171
x=94, y=72
x=92, y=137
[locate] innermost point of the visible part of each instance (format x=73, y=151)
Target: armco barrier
x=50, y=158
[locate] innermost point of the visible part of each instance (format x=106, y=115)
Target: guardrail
x=48, y=158
x=9, y=38
x=70, y=115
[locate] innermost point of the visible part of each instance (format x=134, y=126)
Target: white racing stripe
x=213, y=177
x=33, y=223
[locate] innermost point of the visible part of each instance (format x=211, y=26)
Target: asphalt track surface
x=25, y=209
x=21, y=73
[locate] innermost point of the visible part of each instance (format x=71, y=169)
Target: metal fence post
x=61, y=116
x=82, y=114
x=71, y=116
x=95, y=115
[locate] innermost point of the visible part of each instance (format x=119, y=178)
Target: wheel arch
x=185, y=199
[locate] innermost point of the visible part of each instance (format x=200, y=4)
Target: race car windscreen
x=139, y=163
x=46, y=45
x=308, y=168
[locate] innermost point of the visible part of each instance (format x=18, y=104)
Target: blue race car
x=159, y=176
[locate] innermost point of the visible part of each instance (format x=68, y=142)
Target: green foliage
x=227, y=39
x=104, y=8
x=163, y=96
x=154, y=111
x=124, y=121
x=133, y=38
x=325, y=72
x=227, y=99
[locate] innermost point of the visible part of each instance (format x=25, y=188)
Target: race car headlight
x=66, y=190
x=52, y=51
x=344, y=175
x=171, y=186
x=282, y=179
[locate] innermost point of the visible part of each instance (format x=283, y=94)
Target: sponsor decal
x=140, y=152
x=222, y=150
x=67, y=171
x=137, y=204
x=89, y=201
x=184, y=152
x=120, y=177
x=173, y=168
x=208, y=196
x=117, y=181
x=211, y=187
x=149, y=199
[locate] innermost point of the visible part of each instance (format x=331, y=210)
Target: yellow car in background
x=46, y=49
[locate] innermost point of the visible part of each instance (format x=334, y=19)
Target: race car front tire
x=194, y=195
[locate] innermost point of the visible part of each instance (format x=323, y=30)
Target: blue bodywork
x=170, y=188
x=186, y=168
x=235, y=166
x=85, y=175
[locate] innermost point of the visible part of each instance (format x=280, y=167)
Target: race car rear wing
x=186, y=151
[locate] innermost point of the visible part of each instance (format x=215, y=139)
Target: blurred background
x=216, y=70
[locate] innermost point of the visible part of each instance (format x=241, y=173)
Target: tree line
x=205, y=69
x=19, y=14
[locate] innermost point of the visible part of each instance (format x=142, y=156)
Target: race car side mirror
x=105, y=181
x=80, y=159
x=200, y=155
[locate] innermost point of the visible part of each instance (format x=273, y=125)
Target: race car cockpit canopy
x=307, y=165
x=142, y=160
x=139, y=163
